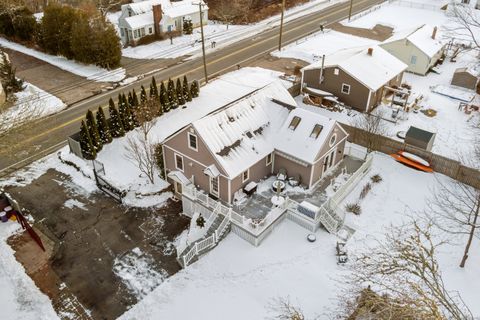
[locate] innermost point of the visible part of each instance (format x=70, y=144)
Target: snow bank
x=21, y=299
x=31, y=103
x=90, y=72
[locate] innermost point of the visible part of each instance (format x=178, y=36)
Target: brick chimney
x=370, y=51
x=434, y=33
x=157, y=17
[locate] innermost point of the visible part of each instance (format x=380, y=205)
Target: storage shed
x=466, y=78
x=420, y=138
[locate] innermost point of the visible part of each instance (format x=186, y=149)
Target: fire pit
x=278, y=186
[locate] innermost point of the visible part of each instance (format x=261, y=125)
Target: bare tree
x=141, y=152
x=228, y=10
x=284, y=310
x=402, y=268
x=372, y=128
x=464, y=25
x=104, y=6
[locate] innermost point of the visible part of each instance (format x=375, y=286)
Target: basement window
x=294, y=123
x=150, y=31
x=316, y=131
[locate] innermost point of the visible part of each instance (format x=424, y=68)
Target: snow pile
x=90, y=72
x=136, y=270
x=30, y=104
x=192, y=234
x=73, y=203
x=21, y=299
x=244, y=280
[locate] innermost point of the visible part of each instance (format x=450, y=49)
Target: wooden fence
x=452, y=168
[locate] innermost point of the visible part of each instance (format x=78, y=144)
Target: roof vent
x=370, y=51
x=434, y=33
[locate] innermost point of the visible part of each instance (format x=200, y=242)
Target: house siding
x=404, y=50
x=257, y=172
x=293, y=168
x=358, y=96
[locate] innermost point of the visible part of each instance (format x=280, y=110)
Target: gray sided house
x=419, y=47
x=356, y=77
x=155, y=17
x=420, y=138
x=249, y=140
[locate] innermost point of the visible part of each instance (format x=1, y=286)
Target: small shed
x=466, y=78
x=420, y=138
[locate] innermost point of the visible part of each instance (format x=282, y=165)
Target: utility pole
x=203, y=41
x=350, y=10
x=281, y=26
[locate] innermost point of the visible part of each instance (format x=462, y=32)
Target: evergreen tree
x=187, y=26
x=103, y=127
x=143, y=95
x=122, y=111
x=179, y=88
x=154, y=88
x=135, y=99
x=186, y=91
x=93, y=131
x=171, y=85
x=172, y=97
x=130, y=99
x=7, y=76
x=86, y=144
x=116, y=125
x=194, y=89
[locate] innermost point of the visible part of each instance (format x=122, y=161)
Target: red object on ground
x=21, y=219
x=411, y=163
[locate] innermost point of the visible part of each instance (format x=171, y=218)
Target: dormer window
x=316, y=131
x=294, y=123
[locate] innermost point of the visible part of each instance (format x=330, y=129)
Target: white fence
x=417, y=5
x=197, y=249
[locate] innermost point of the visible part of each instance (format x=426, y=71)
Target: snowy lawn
x=90, y=72
x=242, y=281
x=21, y=299
x=31, y=103
x=217, y=32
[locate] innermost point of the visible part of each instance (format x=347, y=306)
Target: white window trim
x=413, y=59
x=267, y=163
x=344, y=84
x=196, y=140
x=330, y=143
x=248, y=175
x=336, y=71
x=175, y=155
x=217, y=194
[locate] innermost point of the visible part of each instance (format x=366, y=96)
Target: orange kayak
x=409, y=162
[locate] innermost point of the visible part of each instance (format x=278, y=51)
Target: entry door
x=214, y=187
x=329, y=161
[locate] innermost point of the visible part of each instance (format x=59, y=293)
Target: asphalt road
x=49, y=134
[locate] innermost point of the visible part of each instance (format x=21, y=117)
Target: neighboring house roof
x=472, y=70
x=243, y=133
x=142, y=11
x=141, y=20
x=303, y=142
x=373, y=71
x=419, y=134
x=420, y=37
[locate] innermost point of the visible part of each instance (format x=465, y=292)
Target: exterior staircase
x=216, y=232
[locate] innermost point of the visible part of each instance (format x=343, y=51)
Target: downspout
x=368, y=100
x=321, y=69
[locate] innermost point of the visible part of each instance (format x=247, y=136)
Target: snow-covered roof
x=420, y=37
x=303, y=142
x=372, y=70
x=139, y=21
x=243, y=132
x=171, y=9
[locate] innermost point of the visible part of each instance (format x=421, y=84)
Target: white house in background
x=150, y=17
x=419, y=47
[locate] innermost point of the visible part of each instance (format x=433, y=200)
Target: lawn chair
x=282, y=175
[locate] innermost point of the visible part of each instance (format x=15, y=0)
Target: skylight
x=294, y=123
x=316, y=131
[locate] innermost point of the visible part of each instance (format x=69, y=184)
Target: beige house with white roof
x=420, y=48
x=151, y=17
x=356, y=77
x=251, y=139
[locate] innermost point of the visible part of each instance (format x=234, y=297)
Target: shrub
x=354, y=208
x=200, y=221
x=365, y=190
x=376, y=178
